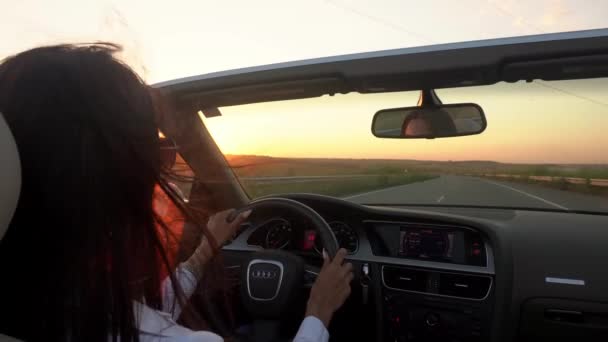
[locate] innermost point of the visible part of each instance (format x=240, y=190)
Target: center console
x=436, y=284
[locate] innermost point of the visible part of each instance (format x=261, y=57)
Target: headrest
x=10, y=176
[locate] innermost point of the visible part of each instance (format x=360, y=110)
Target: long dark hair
x=84, y=242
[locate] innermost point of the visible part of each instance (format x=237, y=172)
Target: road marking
x=527, y=194
x=440, y=198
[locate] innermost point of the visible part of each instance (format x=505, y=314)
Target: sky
x=165, y=40
x=541, y=122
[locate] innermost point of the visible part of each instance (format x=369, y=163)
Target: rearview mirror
x=429, y=122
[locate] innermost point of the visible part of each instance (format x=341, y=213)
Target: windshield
x=545, y=147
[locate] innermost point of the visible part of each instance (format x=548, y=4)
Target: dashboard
x=280, y=233
x=405, y=258
x=423, y=241
x=455, y=274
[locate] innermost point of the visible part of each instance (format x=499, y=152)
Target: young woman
x=83, y=256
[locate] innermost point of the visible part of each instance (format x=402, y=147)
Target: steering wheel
x=271, y=280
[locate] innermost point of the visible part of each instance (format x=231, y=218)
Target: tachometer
x=346, y=236
x=279, y=234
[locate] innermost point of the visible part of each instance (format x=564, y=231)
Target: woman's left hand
x=221, y=229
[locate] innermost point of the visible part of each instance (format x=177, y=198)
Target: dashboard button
x=431, y=320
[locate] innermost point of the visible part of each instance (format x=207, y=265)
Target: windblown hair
x=85, y=241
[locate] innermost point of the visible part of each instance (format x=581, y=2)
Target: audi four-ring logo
x=263, y=274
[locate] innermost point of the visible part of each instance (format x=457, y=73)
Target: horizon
x=228, y=155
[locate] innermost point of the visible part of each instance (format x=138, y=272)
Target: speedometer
x=346, y=236
x=278, y=235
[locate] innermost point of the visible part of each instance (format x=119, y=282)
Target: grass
x=248, y=166
x=390, y=172
x=332, y=187
x=575, y=171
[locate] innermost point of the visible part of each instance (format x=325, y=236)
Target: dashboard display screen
x=426, y=243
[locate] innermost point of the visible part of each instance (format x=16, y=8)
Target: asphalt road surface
x=459, y=190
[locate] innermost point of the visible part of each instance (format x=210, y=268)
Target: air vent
x=405, y=279
x=438, y=283
x=462, y=285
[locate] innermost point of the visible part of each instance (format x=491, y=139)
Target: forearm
x=197, y=261
x=187, y=282
x=322, y=315
x=187, y=274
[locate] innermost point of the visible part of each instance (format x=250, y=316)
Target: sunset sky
x=527, y=123
x=171, y=39
x=164, y=40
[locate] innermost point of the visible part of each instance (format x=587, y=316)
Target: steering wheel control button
x=264, y=279
x=309, y=278
x=431, y=320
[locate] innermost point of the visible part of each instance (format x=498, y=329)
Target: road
x=459, y=190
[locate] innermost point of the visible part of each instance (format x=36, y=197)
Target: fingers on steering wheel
x=347, y=272
x=326, y=260
x=241, y=218
x=339, y=258
x=233, y=215
x=345, y=269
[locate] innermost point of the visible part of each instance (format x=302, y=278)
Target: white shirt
x=160, y=326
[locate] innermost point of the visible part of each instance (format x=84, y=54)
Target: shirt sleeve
x=157, y=326
x=188, y=283
x=312, y=330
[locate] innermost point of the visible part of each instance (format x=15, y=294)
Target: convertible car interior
x=423, y=272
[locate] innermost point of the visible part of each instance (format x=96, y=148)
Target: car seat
x=10, y=184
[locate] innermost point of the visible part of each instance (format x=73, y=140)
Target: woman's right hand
x=331, y=288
